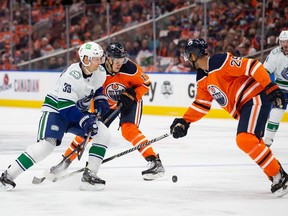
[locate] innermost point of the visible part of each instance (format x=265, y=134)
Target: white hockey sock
x=33, y=154
x=14, y=170
x=273, y=122
x=96, y=156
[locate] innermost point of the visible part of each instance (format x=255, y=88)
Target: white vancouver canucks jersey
x=71, y=87
x=277, y=63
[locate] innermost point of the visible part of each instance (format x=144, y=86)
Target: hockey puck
x=174, y=178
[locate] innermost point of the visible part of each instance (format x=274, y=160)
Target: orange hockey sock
x=132, y=134
x=259, y=152
x=77, y=140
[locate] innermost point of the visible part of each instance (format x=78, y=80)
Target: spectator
x=177, y=66
x=229, y=22
x=271, y=41
x=53, y=64
x=231, y=48
x=7, y=63
x=61, y=63
x=45, y=47
x=143, y=57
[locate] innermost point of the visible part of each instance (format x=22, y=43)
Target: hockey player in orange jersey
x=242, y=87
x=126, y=84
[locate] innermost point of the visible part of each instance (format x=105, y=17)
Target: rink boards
x=170, y=94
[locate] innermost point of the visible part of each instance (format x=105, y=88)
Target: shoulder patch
x=129, y=68
x=75, y=74
x=200, y=74
x=276, y=50
x=216, y=61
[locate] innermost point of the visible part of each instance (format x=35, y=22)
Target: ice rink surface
x=214, y=176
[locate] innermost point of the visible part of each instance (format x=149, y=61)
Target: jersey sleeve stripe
x=147, y=84
x=206, y=102
x=198, y=110
x=201, y=105
x=250, y=90
x=255, y=68
x=242, y=90
x=248, y=67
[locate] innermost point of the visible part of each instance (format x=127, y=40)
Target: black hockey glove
x=179, y=128
x=88, y=123
x=275, y=95
x=126, y=99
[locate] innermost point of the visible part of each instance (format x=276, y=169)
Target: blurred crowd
x=233, y=26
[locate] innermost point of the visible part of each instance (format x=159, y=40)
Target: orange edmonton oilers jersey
x=231, y=81
x=129, y=76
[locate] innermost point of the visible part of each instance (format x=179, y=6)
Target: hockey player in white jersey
x=65, y=109
x=277, y=63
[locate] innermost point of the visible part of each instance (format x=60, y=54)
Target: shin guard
x=132, y=134
x=77, y=141
x=259, y=152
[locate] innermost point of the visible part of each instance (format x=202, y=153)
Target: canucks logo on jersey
x=218, y=95
x=84, y=103
x=284, y=73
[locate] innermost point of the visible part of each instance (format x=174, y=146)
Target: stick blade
x=47, y=175
x=37, y=180
x=58, y=178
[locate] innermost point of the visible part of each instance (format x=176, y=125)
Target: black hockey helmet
x=116, y=50
x=196, y=47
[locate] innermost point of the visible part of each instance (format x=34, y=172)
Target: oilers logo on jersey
x=113, y=90
x=218, y=95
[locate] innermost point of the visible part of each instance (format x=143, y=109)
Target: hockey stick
x=136, y=147
x=80, y=150
x=55, y=179
x=80, y=153
x=81, y=146
x=37, y=180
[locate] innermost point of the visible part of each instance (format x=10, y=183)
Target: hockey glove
x=275, y=95
x=88, y=123
x=126, y=99
x=101, y=107
x=179, y=128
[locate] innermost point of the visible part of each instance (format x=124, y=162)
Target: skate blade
x=85, y=186
x=151, y=177
x=6, y=187
x=281, y=192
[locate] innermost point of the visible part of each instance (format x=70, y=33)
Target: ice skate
x=90, y=181
x=6, y=181
x=268, y=142
x=279, y=183
x=155, y=170
x=63, y=165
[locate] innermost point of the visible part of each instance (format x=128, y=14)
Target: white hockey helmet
x=90, y=49
x=283, y=35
